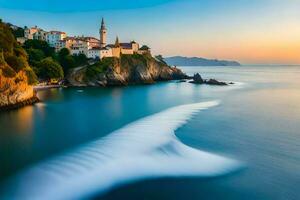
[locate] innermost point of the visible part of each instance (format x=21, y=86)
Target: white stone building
x=99, y=53
x=53, y=38
x=33, y=33
x=28, y=32
x=40, y=35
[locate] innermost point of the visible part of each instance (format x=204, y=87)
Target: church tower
x=117, y=43
x=103, y=32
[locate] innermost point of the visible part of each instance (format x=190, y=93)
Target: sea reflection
x=117, y=107
x=52, y=94
x=20, y=121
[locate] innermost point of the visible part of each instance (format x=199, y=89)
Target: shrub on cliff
x=99, y=67
x=7, y=71
x=129, y=61
x=49, y=69
x=13, y=57
x=80, y=59
x=17, y=63
x=160, y=59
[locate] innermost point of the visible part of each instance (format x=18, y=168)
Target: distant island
x=196, y=61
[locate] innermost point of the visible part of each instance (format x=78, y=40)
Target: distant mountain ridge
x=196, y=61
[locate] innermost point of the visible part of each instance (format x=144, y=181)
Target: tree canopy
x=41, y=45
x=49, y=69
x=35, y=55
x=68, y=61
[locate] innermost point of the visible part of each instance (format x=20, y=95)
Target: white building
x=53, y=38
x=28, y=32
x=34, y=33
x=99, y=53
x=94, y=53
x=40, y=35
x=105, y=52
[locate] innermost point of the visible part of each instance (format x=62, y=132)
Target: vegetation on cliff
x=16, y=76
x=13, y=58
x=99, y=67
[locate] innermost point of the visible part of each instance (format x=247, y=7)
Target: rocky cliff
x=15, y=91
x=127, y=70
x=16, y=77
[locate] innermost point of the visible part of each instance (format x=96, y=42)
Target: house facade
x=53, y=38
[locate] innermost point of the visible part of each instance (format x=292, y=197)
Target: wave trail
x=146, y=148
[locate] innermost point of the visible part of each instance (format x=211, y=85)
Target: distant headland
x=196, y=61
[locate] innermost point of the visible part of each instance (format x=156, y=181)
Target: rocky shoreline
x=180, y=76
x=27, y=102
x=132, y=72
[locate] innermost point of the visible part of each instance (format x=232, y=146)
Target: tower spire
x=103, y=32
x=117, y=43
x=102, y=24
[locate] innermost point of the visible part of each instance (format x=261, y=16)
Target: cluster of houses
x=91, y=47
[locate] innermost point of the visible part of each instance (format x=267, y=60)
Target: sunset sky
x=250, y=31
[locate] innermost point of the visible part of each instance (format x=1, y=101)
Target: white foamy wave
x=238, y=85
x=147, y=148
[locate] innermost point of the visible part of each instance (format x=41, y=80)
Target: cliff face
x=15, y=90
x=129, y=69
x=16, y=76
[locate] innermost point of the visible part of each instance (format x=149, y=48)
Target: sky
x=249, y=31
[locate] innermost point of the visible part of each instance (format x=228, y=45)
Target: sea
x=171, y=140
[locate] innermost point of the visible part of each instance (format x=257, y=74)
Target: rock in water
x=198, y=79
x=215, y=82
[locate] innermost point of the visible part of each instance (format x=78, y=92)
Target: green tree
x=160, y=58
x=63, y=53
x=19, y=32
x=66, y=60
x=80, y=59
x=35, y=56
x=49, y=69
x=41, y=45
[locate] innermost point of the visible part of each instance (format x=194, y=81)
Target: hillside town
x=91, y=47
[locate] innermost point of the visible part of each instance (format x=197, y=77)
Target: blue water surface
x=257, y=123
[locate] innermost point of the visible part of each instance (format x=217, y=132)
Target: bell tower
x=103, y=32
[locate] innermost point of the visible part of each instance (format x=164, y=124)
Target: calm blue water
x=257, y=123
